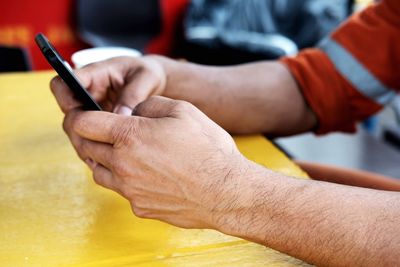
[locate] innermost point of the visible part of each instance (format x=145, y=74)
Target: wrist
x=243, y=203
x=170, y=68
x=261, y=197
x=186, y=81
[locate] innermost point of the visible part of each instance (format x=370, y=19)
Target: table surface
x=53, y=214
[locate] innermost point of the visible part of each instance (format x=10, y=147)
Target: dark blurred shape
x=392, y=136
x=222, y=55
x=13, y=59
x=128, y=23
x=237, y=31
x=217, y=32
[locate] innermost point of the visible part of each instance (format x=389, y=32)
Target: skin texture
x=173, y=163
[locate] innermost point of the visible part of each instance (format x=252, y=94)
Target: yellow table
x=53, y=214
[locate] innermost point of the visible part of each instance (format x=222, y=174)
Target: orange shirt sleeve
x=355, y=71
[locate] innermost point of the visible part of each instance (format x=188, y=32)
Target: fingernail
x=124, y=110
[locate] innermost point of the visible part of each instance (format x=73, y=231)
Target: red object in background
x=20, y=20
x=172, y=12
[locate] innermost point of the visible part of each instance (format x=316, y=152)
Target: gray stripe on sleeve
x=359, y=76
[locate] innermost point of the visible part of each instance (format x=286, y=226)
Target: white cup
x=91, y=55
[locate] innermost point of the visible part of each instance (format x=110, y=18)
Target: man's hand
x=169, y=160
x=244, y=99
x=119, y=84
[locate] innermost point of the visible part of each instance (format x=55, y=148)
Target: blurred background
x=216, y=32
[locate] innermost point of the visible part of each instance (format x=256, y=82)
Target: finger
x=123, y=80
x=131, y=96
x=95, y=79
x=142, y=83
x=98, y=152
x=104, y=177
x=75, y=139
x=97, y=126
x=156, y=107
x=63, y=95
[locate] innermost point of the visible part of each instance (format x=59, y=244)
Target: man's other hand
x=118, y=84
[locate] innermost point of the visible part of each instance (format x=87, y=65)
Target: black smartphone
x=65, y=71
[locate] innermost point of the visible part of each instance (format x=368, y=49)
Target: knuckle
x=183, y=106
x=124, y=134
x=120, y=168
x=100, y=180
x=141, y=203
x=83, y=147
x=153, y=72
x=97, y=178
x=121, y=172
x=147, y=69
x=77, y=121
x=125, y=192
x=110, y=157
x=65, y=125
x=139, y=212
x=69, y=122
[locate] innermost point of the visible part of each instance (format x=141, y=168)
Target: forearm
x=251, y=98
x=321, y=223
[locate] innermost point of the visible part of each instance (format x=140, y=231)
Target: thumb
x=156, y=107
x=141, y=86
x=127, y=101
x=63, y=95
